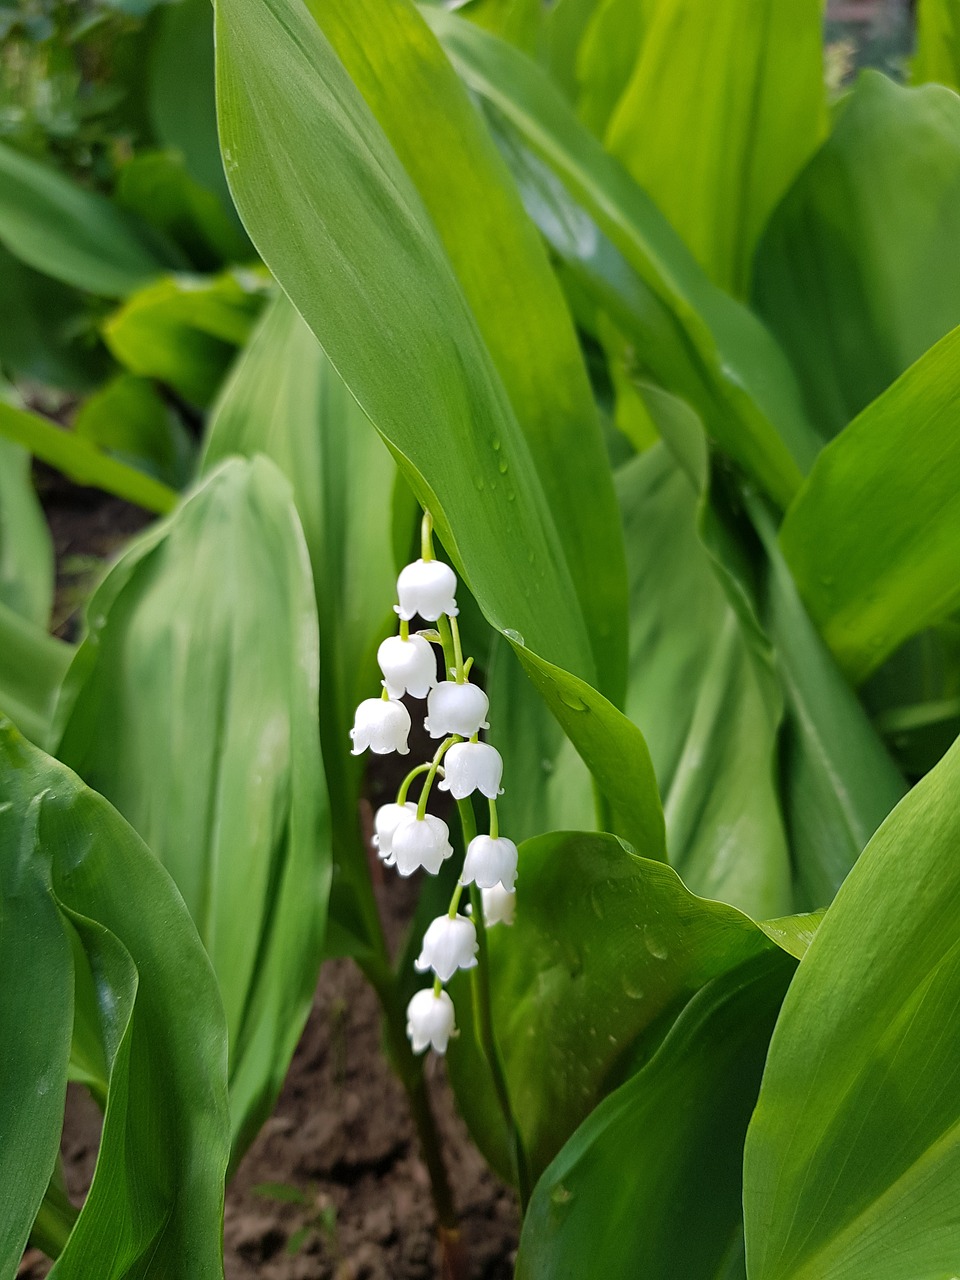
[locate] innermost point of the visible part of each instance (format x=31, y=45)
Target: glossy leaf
x=442, y=144
x=74, y=235
x=867, y=1034
x=650, y=1184
x=192, y=704
x=698, y=342
x=606, y=950
x=82, y=461
x=856, y=273
x=370, y=275
x=26, y=548
x=184, y=330
x=32, y=667
x=724, y=107
x=937, y=56
x=70, y=864
x=873, y=538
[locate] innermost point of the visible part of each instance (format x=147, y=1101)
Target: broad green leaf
x=937, y=56
x=650, y=1184
x=445, y=149
x=82, y=461
x=70, y=866
x=284, y=399
x=518, y=21
x=564, y=26
x=26, y=548
x=74, y=235
x=128, y=416
x=873, y=537
x=606, y=950
x=856, y=273
x=699, y=343
x=852, y=1163
x=607, y=56
x=724, y=106
x=371, y=278
x=192, y=705
x=32, y=667
x=184, y=330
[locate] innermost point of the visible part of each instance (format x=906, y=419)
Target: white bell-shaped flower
x=386, y=821
x=382, y=726
x=456, y=708
x=424, y=842
x=430, y=1020
x=449, y=944
x=490, y=861
x=499, y=905
x=408, y=666
x=472, y=766
x=427, y=587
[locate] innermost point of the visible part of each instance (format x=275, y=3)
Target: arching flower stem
x=405, y=784
x=426, y=537
x=432, y=768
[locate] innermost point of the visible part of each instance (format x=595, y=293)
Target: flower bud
x=382, y=726
x=408, y=666
x=456, y=708
x=449, y=944
x=427, y=587
x=499, y=905
x=472, y=766
x=490, y=861
x=423, y=842
x=386, y=821
x=430, y=1020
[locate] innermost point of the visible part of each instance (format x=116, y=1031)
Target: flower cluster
x=407, y=836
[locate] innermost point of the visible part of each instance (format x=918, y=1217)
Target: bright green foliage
x=31, y=670
x=607, y=56
x=26, y=548
x=127, y=415
x=853, y=1155
x=724, y=105
x=857, y=273
x=650, y=1184
x=938, y=43
x=215, y=759
x=873, y=538
x=74, y=876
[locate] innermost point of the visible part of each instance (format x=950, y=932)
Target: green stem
x=446, y=640
x=404, y=629
x=483, y=1015
x=405, y=784
x=426, y=537
x=494, y=821
x=55, y=1219
x=457, y=652
x=432, y=773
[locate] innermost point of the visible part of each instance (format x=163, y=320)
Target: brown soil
x=341, y=1134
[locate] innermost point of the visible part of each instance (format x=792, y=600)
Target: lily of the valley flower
x=499, y=905
x=430, y=1020
x=490, y=861
x=408, y=666
x=472, y=766
x=456, y=708
x=382, y=726
x=427, y=587
x=449, y=944
x=424, y=842
x=386, y=821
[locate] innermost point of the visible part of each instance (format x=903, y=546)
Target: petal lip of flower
x=386, y=821
x=427, y=588
x=499, y=905
x=456, y=708
x=449, y=944
x=381, y=725
x=490, y=861
x=424, y=842
x=472, y=766
x=409, y=666
x=430, y=1020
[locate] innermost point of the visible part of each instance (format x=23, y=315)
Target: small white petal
x=456, y=708
x=408, y=666
x=449, y=944
x=430, y=1020
x=382, y=726
x=388, y=818
x=427, y=587
x=490, y=862
x=424, y=842
x=499, y=905
x=472, y=766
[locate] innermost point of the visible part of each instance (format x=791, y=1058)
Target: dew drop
x=504, y=466
x=596, y=901
x=479, y=482
x=630, y=988
x=496, y=443
x=654, y=945
x=560, y=1195
x=572, y=700
x=515, y=636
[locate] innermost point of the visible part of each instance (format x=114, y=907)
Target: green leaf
x=853, y=1156
x=440, y=140
x=606, y=58
x=128, y=417
x=81, y=461
x=192, y=705
x=937, y=56
x=68, y=863
x=873, y=537
x=606, y=950
x=699, y=343
x=856, y=273
x=650, y=1184
x=184, y=330
x=26, y=548
x=76, y=236
x=724, y=107
x=370, y=276
x=32, y=667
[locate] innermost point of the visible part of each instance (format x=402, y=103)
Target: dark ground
x=341, y=1133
